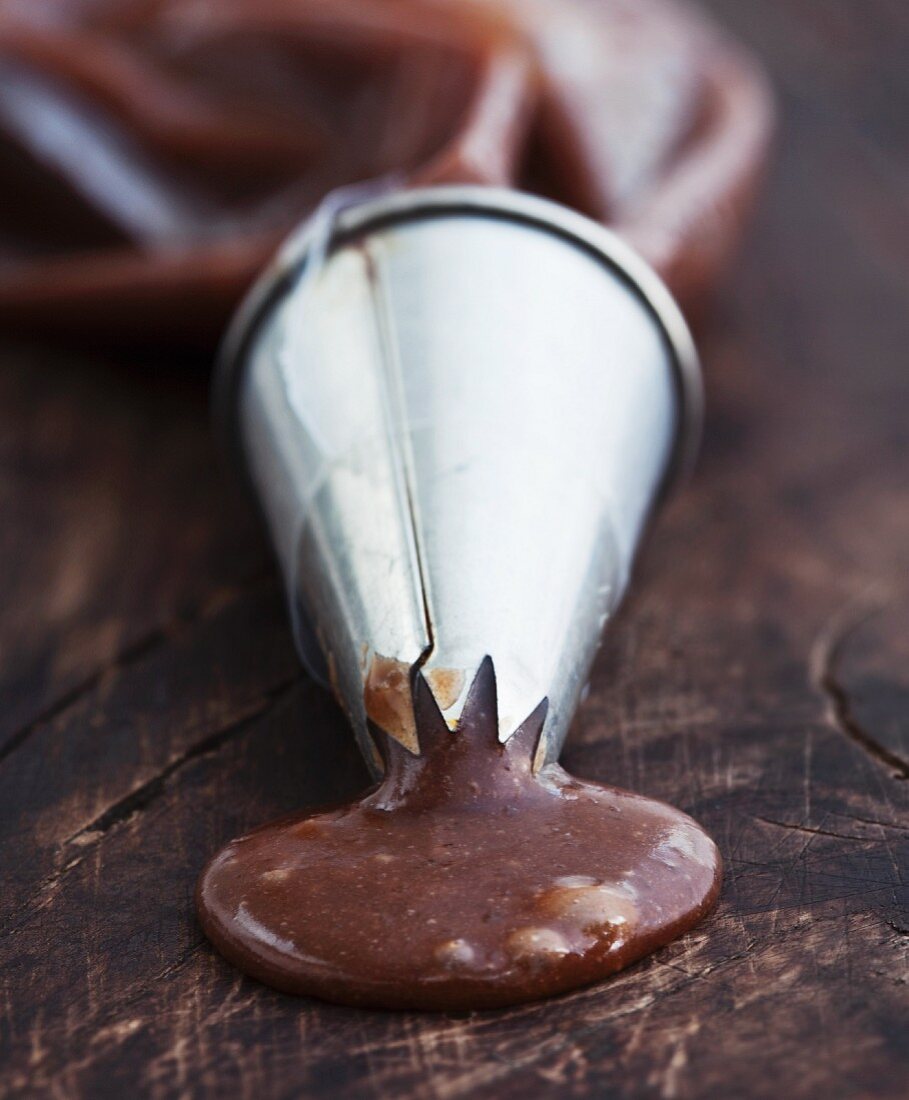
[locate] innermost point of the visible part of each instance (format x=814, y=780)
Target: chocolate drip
x=463, y=881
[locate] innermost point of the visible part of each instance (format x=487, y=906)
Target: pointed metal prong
x=480, y=713
x=526, y=739
x=431, y=725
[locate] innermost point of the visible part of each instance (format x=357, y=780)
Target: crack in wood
x=874, y=821
x=128, y=656
x=140, y=798
x=815, y=830
x=91, y=835
x=131, y=655
x=824, y=659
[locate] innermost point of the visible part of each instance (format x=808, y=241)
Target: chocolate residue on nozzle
x=388, y=700
x=462, y=881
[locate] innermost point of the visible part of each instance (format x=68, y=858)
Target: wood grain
x=153, y=707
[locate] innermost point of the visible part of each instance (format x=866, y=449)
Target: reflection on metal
x=457, y=425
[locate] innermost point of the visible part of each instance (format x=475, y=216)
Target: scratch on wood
x=678, y=1061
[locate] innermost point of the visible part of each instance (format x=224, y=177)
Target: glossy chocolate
x=463, y=881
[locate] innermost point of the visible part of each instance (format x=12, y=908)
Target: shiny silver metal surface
x=457, y=421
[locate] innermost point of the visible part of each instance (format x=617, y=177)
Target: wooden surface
x=759, y=678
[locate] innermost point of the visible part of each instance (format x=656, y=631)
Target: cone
x=457, y=407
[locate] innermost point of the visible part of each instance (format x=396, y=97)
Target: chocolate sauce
x=463, y=881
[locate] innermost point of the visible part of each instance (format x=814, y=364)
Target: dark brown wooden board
x=152, y=706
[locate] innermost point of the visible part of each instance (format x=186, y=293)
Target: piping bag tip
x=457, y=407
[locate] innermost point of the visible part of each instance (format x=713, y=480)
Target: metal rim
x=448, y=201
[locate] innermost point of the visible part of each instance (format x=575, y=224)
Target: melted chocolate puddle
x=463, y=881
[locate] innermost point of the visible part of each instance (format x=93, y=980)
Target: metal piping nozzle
x=457, y=408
